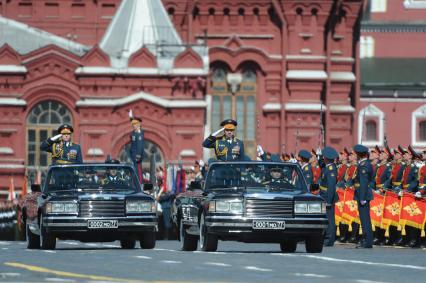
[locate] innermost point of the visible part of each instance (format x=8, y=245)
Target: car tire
x=47, y=240
x=147, y=240
x=208, y=242
x=128, y=244
x=288, y=246
x=314, y=244
x=188, y=242
x=33, y=240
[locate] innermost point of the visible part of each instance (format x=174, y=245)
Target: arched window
x=422, y=131
x=371, y=130
x=42, y=123
x=150, y=149
x=243, y=104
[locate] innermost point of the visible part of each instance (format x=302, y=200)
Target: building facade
x=393, y=80
x=287, y=70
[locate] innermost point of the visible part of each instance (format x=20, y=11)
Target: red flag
x=24, y=186
x=412, y=212
x=11, y=195
x=391, y=211
x=338, y=211
x=376, y=210
x=350, y=210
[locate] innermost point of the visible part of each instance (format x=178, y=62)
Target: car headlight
x=309, y=207
x=140, y=206
x=62, y=207
x=226, y=206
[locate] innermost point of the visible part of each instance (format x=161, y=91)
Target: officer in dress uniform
x=227, y=147
x=327, y=184
x=304, y=157
x=363, y=194
x=63, y=150
x=136, y=144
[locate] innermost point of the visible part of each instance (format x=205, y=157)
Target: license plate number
x=102, y=224
x=268, y=225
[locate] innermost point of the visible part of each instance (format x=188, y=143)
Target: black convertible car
x=90, y=203
x=253, y=202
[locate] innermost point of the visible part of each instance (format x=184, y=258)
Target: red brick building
x=282, y=68
x=393, y=77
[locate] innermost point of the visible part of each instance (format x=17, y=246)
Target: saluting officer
x=63, y=150
x=136, y=144
x=327, y=184
x=227, y=147
x=304, y=157
x=363, y=194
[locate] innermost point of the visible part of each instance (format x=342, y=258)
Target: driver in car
x=89, y=178
x=276, y=180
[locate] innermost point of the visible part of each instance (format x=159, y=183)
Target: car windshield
x=118, y=179
x=256, y=177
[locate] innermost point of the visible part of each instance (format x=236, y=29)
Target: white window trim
x=415, y=4
x=378, y=6
x=418, y=113
x=371, y=111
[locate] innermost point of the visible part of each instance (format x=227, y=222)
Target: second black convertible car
x=91, y=203
x=261, y=202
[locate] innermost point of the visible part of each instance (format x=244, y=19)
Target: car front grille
x=102, y=208
x=268, y=208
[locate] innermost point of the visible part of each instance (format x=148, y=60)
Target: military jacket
x=137, y=146
x=327, y=182
x=350, y=175
x=307, y=172
x=363, y=179
x=341, y=172
x=382, y=178
x=409, y=178
x=226, y=150
x=422, y=179
x=63, y=153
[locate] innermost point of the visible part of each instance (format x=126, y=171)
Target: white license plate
x=102, y=224
x=268, y=225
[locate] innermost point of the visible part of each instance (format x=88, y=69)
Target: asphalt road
x=234, y=262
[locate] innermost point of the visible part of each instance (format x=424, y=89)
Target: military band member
x=227, y=147
x=363, y=194
x=327, y=184
x=62, y=149
x=137, y=144
x=397, y=170
x=304, y=157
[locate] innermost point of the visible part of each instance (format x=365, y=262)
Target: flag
x=391, y=211
x=24, y=186
x=376, y=210
x=412, y=212
x=338, y=211
x=350, y=210
x=11, y=195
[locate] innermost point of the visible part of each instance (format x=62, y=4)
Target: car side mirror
x=148, y=187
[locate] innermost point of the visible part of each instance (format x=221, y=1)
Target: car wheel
x=147, y=240
x=314, y=244
x=47, y=240
x=208, y=242
x=288, y=246
x=188, y=242
x=128, y=244
x=33, y=240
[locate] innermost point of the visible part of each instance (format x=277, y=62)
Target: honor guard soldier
x=327, y=184
x=227, y=147
x=304, y=157
x=63, y=150
x=410, y=180
x=363, y=194
x=342, y=168
x=383, y=173
x=136, y=143
x=397, y=170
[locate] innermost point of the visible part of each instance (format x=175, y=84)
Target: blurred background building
x=287, y=70
x=393, y=77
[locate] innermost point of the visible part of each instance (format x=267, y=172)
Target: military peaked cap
x=330, y=153
x=305, y=154
x=65, y=129
x=229, y=124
